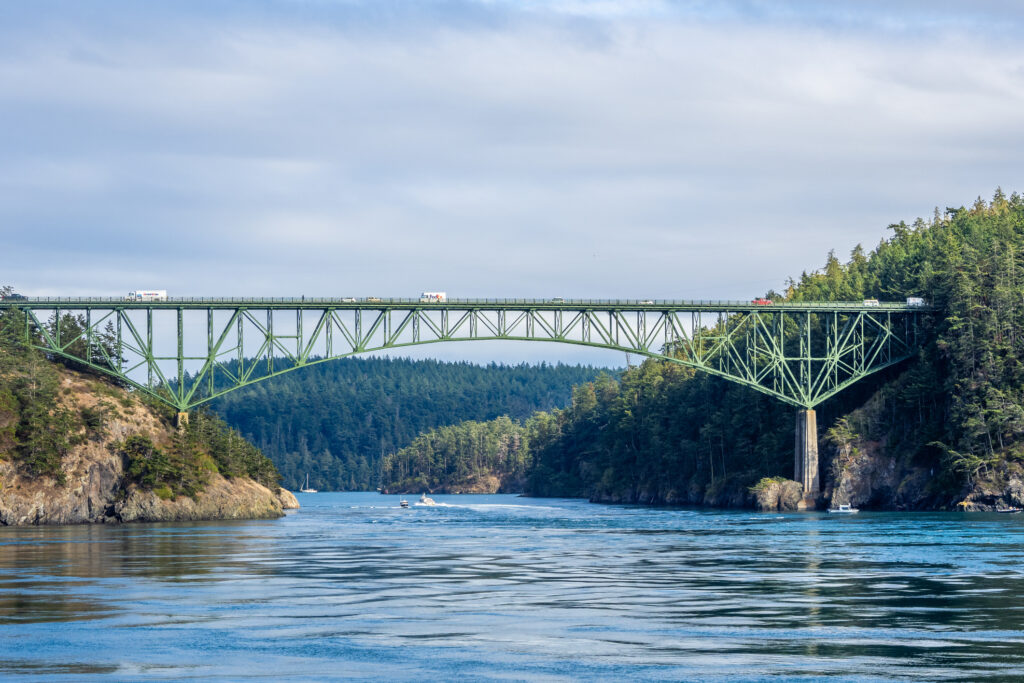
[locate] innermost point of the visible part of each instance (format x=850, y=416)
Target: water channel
x=507, y=588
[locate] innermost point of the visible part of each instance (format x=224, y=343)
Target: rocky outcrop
x=94, y=489
x=862, y=474
x=997, y=487
x=865, y=473
x=287, y=499
x=220, y=499
x=776, y=494
x=93, y=477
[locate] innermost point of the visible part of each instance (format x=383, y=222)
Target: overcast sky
x=577, y=149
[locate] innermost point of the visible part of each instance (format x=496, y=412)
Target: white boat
x=424, y=500
x=403, y=503
x=843, y=510
x=305, y=487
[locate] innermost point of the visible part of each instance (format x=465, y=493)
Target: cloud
x=488, y=148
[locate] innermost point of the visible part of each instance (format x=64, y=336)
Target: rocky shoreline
x=95, y=489
x=858, y=472
x=95, y=493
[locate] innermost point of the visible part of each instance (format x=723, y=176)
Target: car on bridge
x=14, y=296
x=761, y=301
x=871, y=302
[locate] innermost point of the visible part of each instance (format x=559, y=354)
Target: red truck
x=761, y=301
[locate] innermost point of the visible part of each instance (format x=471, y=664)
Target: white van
x=147, y=295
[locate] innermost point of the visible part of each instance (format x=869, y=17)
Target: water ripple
x=499, y=587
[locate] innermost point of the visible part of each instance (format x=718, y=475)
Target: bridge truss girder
x=801, y=356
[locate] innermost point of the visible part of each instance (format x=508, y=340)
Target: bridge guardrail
x=567, y=303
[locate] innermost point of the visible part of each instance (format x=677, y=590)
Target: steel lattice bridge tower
x=188, y=351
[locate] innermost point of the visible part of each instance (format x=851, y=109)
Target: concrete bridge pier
x=182, y=419
x=806, y=461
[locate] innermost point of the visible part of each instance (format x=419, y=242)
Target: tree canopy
x=336, y=421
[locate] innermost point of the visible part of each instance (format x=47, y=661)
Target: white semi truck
x=147, y=295
x=433, y=297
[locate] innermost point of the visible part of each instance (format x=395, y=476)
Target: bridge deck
x=377, y=304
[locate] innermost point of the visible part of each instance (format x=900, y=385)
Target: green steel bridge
x=188, y=351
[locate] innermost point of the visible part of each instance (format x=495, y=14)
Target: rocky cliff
x=863, y=468
x=866, y=475
x=95, y=488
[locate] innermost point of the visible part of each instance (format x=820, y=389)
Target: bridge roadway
x=377, y=304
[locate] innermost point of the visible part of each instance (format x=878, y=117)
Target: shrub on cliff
x=35, y=429
x=231, y=453
x=151, y=467
x=202, y=446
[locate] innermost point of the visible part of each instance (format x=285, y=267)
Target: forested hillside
x=73, y=437
x=471, y=457
x=337, y=420
x=943, y=420
x=943, y=429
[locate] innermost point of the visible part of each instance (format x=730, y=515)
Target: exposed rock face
x=93, y=479
x=864, y=474
x=287, y=499
x=996, y=488
x=220, y=499
x=94, y=490
x=772, y=495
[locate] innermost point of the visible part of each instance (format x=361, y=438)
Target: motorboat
x=425, y=500
x=1009, y=510
x=305, y=487
x=843, y=510
x=403, y=503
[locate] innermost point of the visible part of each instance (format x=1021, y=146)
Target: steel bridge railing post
x=120, y=346
x=240, y=343
x=270, y=339
x=149, y=347
x=181, y=356
x=88, y=335
x=211, y=354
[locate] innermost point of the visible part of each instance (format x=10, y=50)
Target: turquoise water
x=507, y=588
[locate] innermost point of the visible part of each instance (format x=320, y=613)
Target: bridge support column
x=182, y=419
x=806, y=461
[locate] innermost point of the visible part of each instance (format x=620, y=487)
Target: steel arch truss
x=188, y=355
